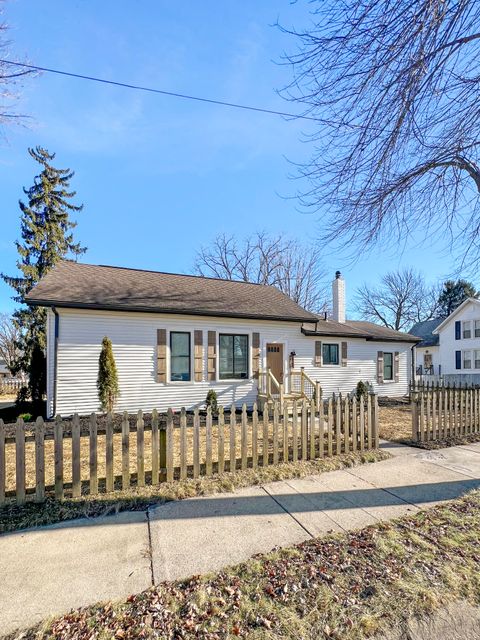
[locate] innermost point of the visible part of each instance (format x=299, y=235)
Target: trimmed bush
x=107, y=381
x=211, y=401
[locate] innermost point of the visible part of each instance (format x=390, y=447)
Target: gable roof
x=425, y=330
x=357, y=329
x=446, y=320
x=88, y=286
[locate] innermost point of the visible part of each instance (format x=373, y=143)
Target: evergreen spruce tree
x=47, y=237
x=107, y=380
x=453, y=294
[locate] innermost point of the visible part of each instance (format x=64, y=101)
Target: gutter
x=55, y=359
x=180, y=312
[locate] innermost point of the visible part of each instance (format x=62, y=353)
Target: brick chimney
x=338, y=293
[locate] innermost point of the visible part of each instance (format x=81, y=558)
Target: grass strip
x=14, y=517
x=345, y=586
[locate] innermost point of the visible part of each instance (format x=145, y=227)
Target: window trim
x=190, y=380
x=469, y=323
x=465, y=351
x=219, y=375
x=331, y=344
x=475, y=359
x=392, y=365
x=476, y=335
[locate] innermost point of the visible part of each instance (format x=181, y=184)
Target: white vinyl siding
x=134, y=338
x=468, y=316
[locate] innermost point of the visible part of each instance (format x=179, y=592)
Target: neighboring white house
x=459, y=342
x=177, y=336
x=427, y=351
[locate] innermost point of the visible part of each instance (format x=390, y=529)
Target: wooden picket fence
x=10, y=386
x=442, y=412
x=72, y=458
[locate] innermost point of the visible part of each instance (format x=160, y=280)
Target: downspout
x=55, y=360
x=414, y=353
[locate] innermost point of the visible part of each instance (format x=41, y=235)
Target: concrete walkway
x=50, y=570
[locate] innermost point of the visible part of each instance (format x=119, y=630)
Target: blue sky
x=159, y=176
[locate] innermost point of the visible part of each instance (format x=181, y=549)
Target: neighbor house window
x=477, y=328
x=330, y=354
x=233, y=357
x=466, y=329
x=388, y=366
x=467, y=359
x=180, y=356
x=476, y=357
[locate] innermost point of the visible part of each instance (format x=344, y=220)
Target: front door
x=275, y=360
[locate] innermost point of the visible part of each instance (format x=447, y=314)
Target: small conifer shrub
x=107, y=381
x=211, y=401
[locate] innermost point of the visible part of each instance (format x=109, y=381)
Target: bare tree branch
x=402, y=299
x=9, y=335
x=395, y=87
x=272, y=260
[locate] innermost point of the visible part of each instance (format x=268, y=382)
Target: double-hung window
x=180, y=356
x=388, y=366
x=466, y=329
x=330, y=353
x=233, y=356
x=467, y=359
x=477, y=328
x=476, y=359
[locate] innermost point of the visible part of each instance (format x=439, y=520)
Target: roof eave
x=180, y=312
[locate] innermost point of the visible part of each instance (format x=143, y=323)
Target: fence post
x=330, y=428
x=162, y=453
x=338, y=425
x=196, y=443
x=221, y=440
x=76, y=476
x=303, y=432
x=183, y=444
x=109, y=472
x=266, y=418
x=233, y=453
x=243, y=446
x=58, y=447
x=155, y=448
x=346, y=424
x=302, y=381
x=285, y=432
x=313, y=419
x=376, y=434
x=93, y=455
x=125, y=451
x=140, y=450
x=275, y=432
x=362, y=422
x=208, y=443
x=295, y=431
x=414, y=410
x=169, y=446
x=255, y=436
x=318, y=396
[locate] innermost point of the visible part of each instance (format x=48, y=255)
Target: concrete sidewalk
x=50, y=570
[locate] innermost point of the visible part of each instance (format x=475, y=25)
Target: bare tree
x=402, y=299
x=10, y=76
x=394, y=88
x=274, y=260
x=9, y=335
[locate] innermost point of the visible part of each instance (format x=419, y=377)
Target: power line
x=173, y=94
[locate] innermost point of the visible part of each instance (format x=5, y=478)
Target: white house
x=177, y=336
x=459, y=342
x=428, y=350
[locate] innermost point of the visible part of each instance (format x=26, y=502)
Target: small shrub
x=362, y=389
x=211, y=401
x=23, y=395
x=26, y=417
x=107, y=381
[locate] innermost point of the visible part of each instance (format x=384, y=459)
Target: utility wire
x=184, y=96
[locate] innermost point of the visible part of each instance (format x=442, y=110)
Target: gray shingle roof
x=357, y=329
x=424, y=330
x=71, y=284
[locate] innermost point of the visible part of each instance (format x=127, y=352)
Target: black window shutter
x=458, y=331
x=458, y=359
